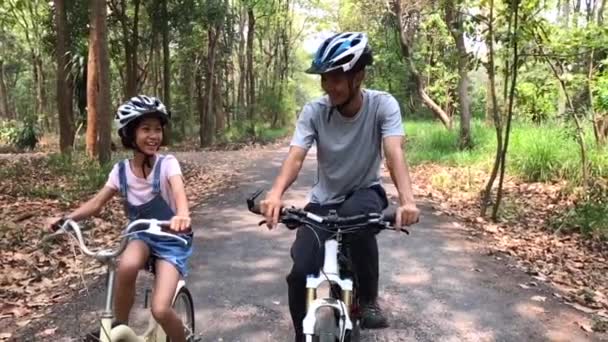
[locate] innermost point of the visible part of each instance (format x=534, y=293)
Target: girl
x=151, y=185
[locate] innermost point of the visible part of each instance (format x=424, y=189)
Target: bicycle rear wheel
x=184, y=307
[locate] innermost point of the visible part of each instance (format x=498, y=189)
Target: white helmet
x=138, y=106
x=342, y=51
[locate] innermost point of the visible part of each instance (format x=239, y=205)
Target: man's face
x=335, y=84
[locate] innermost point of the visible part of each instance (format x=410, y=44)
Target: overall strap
x=122, y=177
x=156, y=180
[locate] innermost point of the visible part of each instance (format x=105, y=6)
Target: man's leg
x=364, y=254
x=307, y=255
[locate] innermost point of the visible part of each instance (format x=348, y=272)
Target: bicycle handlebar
x=294, y=216
x=150, y=226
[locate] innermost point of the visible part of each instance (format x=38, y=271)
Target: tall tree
x=250, y=71
x=454, y=17
x=64, y=84
x=4, y=109
x=130, y=41
x=407, y=23
x=98, y=86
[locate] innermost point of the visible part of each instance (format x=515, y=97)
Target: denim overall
x=165, y=248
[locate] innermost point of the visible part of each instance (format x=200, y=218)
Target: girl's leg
x=165, y=285
x=131, y=261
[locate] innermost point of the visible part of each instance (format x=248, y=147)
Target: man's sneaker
x=372, y=317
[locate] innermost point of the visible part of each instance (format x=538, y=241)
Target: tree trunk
x=515, y=68
x=209, y=127
x=600, y=13
x=407, y=56
x=166, y=57
x=92, y=82
x=242, y=69
x=130, y=42
x=497, y=121
x=4, y=110
x=104, y=112
x=201, y=104
x=219, y=106
x=64, y=85
x=250, y=79
x=566, y=12
x=454, y=21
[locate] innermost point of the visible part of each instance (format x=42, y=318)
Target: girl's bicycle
x=182, y=301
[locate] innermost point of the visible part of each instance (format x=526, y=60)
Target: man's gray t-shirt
x=349, y=150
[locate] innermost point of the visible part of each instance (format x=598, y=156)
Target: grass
x=543, y=153
x=536, y=153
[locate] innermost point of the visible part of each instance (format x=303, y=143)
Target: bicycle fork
x=342, y=305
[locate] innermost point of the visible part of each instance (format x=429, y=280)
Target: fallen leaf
x=538, y=298
x=48, y=332
x=581, y=307
x=584, y=327
x=23, y=323
x=524, y=286
x=599, y=324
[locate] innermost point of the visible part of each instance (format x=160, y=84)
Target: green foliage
x=600, y=89
x=240, y=132
x=19, y=134
x=536, y=94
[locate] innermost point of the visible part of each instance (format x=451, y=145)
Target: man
x=350, y=126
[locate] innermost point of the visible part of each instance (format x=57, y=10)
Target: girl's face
x=149, y=135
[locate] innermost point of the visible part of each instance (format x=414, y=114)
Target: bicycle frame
x=331, y=273
x=124, y=333
x=154, y=333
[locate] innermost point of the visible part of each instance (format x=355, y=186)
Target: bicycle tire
x=353, y=335
x=325, y=327
x=184, y=299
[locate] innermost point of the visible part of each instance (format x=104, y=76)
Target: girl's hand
x=180, y=223
x=54, y=223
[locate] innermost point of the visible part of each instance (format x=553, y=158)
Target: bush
x=590, y=214
x=17, y=134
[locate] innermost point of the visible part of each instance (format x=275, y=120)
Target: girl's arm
x=90, y=208
x=94, y=205
x=181, y=220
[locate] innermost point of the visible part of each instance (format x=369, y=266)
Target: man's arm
x=289, y=171
x=271, y=206
x=407, y=213
x=398, y=169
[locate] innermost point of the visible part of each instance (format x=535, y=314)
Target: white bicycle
x=182, y=301
x=336, y=317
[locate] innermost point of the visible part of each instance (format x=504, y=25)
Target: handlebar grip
x=57, y=225
x=389, y=214
x=256, y=209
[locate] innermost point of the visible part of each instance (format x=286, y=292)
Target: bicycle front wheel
x=326, y=325
x=184, y=307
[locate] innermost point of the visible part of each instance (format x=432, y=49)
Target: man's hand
x=271, y=208
x=406, y=215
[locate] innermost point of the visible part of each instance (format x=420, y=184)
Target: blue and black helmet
x=346, y=51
